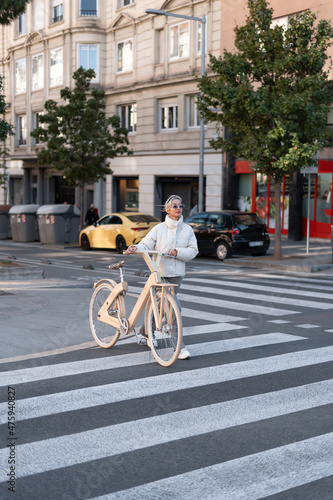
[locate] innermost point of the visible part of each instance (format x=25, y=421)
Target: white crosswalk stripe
x=88, y=412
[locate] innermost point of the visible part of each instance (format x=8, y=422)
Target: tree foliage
x=10, y=9
x=274, y=92
x=80, y=140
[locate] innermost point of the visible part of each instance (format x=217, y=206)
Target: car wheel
x=222, y=250
x=85, y=245
x=120, y=244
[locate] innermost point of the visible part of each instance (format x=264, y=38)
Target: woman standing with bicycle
x=178, y=240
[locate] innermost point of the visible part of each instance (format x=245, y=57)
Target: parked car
x=229, y=232
x=117, y=231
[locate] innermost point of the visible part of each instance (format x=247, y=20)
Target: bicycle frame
x=153, y=285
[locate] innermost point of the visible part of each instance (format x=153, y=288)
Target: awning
x=243, y=167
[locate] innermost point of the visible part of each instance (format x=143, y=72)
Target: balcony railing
x=56, y=19
x=88, y=13
x=22, y=142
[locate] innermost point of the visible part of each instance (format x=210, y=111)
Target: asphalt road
x=248, y=416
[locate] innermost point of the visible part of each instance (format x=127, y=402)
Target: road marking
x=237, y=306
x=259, y=475
x=259, y=297
x=111, y=393
x=272, y=289
x=53, y=453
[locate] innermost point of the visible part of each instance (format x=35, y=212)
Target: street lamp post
x=202, y=20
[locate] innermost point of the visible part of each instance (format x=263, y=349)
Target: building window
x=37, y=68
x=88, y=58
x=168, y=115
x=124, y=56
x=88, y=8
x=56, y=67
x=179, y=41
x=35, y=124
x=20, y=76
x=22, y=130
x=124, y=3
x=127, y=114
x=57, y=11
x=193, y=115
x=281, y=21
x=22, y=24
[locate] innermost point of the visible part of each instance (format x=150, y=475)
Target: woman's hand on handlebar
x=130, y=249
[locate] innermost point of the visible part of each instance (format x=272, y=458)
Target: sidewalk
x=295, y=258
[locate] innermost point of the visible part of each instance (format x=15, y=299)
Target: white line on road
x=55, y=453
x=122, y=391
x=254, y=476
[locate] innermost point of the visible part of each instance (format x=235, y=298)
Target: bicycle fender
x=105, y=280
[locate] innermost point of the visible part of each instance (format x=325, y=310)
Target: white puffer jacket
x=169, y=235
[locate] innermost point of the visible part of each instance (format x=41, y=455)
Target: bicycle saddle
x=118, y=265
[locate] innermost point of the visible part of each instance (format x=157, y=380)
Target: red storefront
x=256, y=193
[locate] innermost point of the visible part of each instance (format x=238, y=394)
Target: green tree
x=10, y=9
x=274, y=94
x=79, y=138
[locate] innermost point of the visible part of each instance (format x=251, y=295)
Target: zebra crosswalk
x=248, y=417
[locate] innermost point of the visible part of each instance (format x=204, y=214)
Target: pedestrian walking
x=92, y=215
x=176, y=239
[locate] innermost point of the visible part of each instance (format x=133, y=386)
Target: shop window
x=132, y=195
x=245, y=192
x=324, y=198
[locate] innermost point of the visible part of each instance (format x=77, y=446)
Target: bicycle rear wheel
x=105, y=335
x=166, y=341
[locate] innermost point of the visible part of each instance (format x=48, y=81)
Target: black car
x=229, y=232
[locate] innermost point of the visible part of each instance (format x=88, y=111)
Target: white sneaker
x=155, y=343
x=184, y=354
x=142, y=339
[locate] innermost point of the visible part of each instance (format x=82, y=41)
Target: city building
x=255, y=191
x=147, y=65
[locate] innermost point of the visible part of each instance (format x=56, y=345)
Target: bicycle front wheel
x=105, y=335
x=166, y=340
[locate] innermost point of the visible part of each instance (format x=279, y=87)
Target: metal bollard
x=332, y=241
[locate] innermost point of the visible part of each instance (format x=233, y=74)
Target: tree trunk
x=277, y=245
x=81, y=205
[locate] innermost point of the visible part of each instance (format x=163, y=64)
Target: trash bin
x=4, y=222
x=23, y=222
x=58, y=224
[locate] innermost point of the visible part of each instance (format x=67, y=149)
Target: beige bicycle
x=163, y=323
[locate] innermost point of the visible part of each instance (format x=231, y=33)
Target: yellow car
x=117, y=231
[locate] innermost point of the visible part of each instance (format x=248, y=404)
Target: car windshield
x=247, y=219
x=142, y=218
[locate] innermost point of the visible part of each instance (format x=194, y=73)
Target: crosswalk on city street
x=247, y=417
